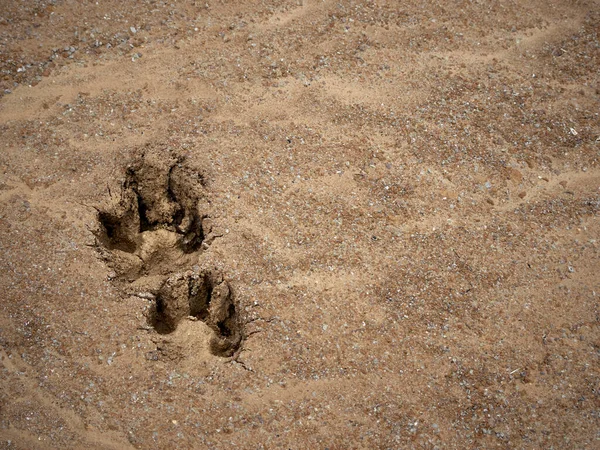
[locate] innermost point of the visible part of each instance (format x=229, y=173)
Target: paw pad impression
x=154, y=232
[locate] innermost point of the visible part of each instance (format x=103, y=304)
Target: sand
x=299, y=224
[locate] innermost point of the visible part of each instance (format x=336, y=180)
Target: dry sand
x=299, y=224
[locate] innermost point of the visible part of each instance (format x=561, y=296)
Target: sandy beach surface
x=299, y=224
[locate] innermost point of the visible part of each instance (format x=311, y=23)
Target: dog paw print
x=154, y=232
